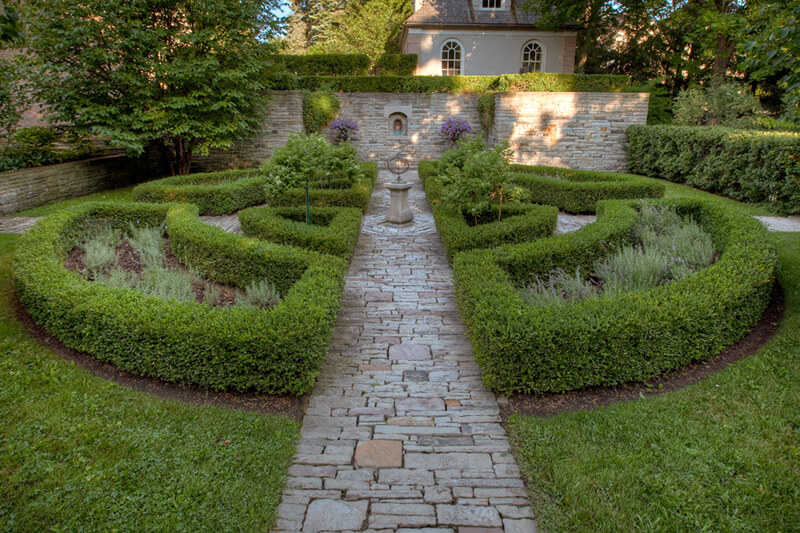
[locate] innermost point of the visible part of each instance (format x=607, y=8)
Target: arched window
x=451, y=58
x=532, y=57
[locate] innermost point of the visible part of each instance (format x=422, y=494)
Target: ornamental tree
x=187, y=74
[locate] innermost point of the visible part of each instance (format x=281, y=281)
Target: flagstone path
x=400, y=434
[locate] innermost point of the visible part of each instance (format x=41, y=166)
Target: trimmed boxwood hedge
x=520, y=223
x=225, y=192
x=357, y=195
x=607, y=341
x=333, y=230
x=276, y=351
x=574, y=191
x=214, y=193
x=397, y=64
x=752, y=166
x=537, y=82
x=578, y=191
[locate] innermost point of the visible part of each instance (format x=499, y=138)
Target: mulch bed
x=550, y=404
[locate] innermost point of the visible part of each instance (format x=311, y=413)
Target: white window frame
x=541, y=58
x=461, y=61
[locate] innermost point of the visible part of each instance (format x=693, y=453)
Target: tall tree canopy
x=370, y=27
x=10, y=28
x=185, y=73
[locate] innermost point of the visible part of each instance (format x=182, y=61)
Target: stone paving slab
x=399, y=424
x=17, y=225
x=791, y=224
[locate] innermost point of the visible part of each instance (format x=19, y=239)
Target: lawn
x=82, y=454
x=722, y=455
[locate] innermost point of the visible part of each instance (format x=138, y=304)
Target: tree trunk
x=722, y=58
x=178, y=153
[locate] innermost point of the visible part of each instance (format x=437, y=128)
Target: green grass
x=676, y=190
x=78, y=453
x=722, y=455
x=124, y=194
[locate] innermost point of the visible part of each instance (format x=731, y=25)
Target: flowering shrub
x=343, y=129
x=456, y=128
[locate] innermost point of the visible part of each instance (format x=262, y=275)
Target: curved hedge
x=276, y=351
x=521, y=222
x=578, y=191
x=333, y=230
x=607, y=341
x=225, y=192
x=214, y=193
x=752, y=166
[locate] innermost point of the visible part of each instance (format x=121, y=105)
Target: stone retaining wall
x=32, y=187
x=575, y=130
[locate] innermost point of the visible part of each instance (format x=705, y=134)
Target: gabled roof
x=437, y=13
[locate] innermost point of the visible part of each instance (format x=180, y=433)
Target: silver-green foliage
x=100, y=250
x=261, y=294
x=668, y=248
x=148, y=241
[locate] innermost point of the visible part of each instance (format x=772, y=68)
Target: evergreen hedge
x=751, y=166
x=225, y=192
x=276, y=351
x=333, y=230
x=578, y=191
x=539, y=81
x=608, y=341
x=397, y=64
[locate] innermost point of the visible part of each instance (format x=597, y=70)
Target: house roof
x=437, y=13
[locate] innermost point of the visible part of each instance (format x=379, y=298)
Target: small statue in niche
x=397, y=128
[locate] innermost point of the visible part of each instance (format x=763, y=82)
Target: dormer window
x=492, y=4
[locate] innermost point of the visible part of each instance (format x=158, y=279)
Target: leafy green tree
x=372, y=28
x=10, y=27
x=311, y=22
x=773, y=47
x=187, y=74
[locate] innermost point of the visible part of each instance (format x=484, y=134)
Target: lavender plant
x=455, y=129
x=343, y=129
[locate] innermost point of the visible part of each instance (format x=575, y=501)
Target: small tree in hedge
x=476, y=179
x=185, y=73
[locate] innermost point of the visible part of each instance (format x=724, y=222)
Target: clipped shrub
x=579, y=191
x=333, y=230
x=323, y=194
x=536, y=82
x=727, y=104
x=520, y=223
x=325, y=64
x=397, y=64
x=214, y=193
x=760, y=168
x=319, y=109
x=486, y=109
x=608, y=341
x=275, y=351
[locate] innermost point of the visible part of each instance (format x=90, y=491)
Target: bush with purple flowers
x=455, y=129
x=343, y=129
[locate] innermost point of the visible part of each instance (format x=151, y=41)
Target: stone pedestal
x=399, y=213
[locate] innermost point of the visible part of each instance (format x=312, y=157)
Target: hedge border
x=337, y=237
x=536, y=82
x=760, y=168
x=276, y=351
x=219, y=193
x=603, y=342
x=573, y=191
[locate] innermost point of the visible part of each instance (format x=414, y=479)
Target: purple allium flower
x=455, y=128
x=343, y=129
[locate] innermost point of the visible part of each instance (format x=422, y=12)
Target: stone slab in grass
x=332, y=230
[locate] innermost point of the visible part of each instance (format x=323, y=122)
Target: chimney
x=418, y=5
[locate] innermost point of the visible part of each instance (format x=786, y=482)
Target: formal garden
x=219, y=350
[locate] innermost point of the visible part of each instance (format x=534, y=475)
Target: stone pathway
x=229, y=223
x=400, y=434
x=17, y=224
x=791, y=224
